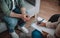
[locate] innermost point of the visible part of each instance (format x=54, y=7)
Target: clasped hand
x=25, y=17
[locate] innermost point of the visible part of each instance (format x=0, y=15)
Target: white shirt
x=13, y=5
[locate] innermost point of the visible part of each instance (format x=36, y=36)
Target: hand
x=25, y=17
x=43, y=24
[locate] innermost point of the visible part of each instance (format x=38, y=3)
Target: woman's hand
x=43, y=24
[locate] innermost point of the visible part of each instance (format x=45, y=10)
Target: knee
x=13, y=23
x=36, y=34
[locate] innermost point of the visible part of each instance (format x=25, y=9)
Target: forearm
x=12, y=14
x=23, y=10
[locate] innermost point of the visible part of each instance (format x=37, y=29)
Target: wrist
x=19, y=16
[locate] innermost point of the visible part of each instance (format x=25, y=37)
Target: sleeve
x=5, y=8
x=51, y=25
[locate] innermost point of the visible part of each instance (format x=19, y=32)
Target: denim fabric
x=36, y=34
x=12, y=22
x=17, y=10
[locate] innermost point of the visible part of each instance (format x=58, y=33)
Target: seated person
x=14, y=11
x=53, y=25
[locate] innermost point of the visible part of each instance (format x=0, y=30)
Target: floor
x=47, y=9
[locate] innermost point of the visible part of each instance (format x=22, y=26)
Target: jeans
x=12, y=22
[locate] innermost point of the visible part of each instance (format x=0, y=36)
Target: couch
x=31, y=11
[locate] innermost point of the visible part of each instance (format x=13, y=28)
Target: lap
x=10, y=20
x=14, y=21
